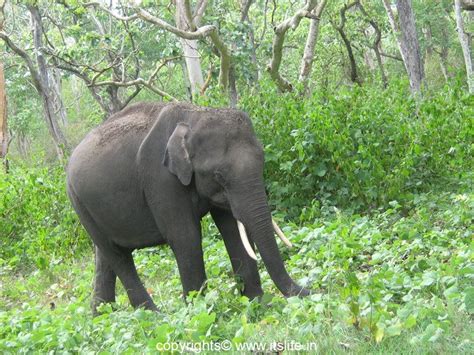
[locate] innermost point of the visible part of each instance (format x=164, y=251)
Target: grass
x=397, y=280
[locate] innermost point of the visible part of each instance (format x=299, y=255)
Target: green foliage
x=37, y=224
x=397, y=281
x=360, y=147
x=378, y=186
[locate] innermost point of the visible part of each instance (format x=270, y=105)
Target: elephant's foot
x=96, y=305
x=298, y=291
x=149, y=305
x=252, y=293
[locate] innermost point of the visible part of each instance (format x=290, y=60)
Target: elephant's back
x=108, y=152
x=135, y=119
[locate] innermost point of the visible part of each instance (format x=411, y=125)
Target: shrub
x=361, y=147
x=37, y=223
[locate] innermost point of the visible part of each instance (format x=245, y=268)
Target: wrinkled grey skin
x=149, y=174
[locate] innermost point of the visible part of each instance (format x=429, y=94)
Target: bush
x=362, y=147
x=37, y=223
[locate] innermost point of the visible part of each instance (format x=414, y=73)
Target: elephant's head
x=219, y=148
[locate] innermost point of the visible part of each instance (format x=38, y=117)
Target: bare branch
x=140, y=81
x=136, y=82
x=376, y=45
x=199, y=33
x=340, y=28
x=199, y=12
x=391, y=56
x=188, y=14
x=278, y=40
x=225, y=59
x=207, y=82
x=245, y=10
x=26, y=58
x=113, y=14
x=308, y=54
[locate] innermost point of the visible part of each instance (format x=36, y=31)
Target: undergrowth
x=375, y=192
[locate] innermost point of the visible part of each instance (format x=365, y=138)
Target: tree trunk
x=443, y=54
x=311, y=40
x=443, y=63
x=23, y=144
x=190, y=50
x=414, y=63
x=429, y=42
x=277, y=46
x=376, y=45
x=244, y=17
x=59, y=107
x=187, y=83
x=347, y=43
x=76, y=92
x=45, y=88
x=467, y=5
x=383, y=76
x=233, y=94
x=466, y=50
x=405, y=32
x=4, y=140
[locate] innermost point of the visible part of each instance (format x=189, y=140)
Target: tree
x=407, y=39
x=466, y=48
x=190, y=46
x=311, y=40
x=376, y=44
x=112, y=72
x=196, y=32
x=278, y=40
x=40, y=78
x=4, y=140
x=3, y=105
x=347, y=43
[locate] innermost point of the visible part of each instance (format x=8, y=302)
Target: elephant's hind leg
x=122, y=264
x=112, y=260
x=104, y=282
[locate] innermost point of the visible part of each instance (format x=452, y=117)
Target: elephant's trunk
x=249, y=206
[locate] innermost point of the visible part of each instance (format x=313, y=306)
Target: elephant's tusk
x=281, y=235
x=245, y=240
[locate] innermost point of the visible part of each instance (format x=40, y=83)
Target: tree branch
x=26, y=58
x=340, y=28
x=278, y=40
x=199, y=33
x=199, y=12
x=113, y=14
x=391, y=56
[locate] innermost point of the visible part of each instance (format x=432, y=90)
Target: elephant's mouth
x=220, y=200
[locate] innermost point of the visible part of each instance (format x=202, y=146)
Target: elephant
x=147, y=176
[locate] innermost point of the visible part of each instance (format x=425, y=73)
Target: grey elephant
x=147, y=176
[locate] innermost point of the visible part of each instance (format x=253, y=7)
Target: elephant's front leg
x=242, y=264
x=185, y=240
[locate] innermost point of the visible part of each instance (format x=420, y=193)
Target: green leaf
x=378, y=334
x=410, y=322
x=394, y=330
x=162, y=332
x=469, y=300
x=321, y=169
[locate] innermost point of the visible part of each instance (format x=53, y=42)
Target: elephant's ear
x=177, y=155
